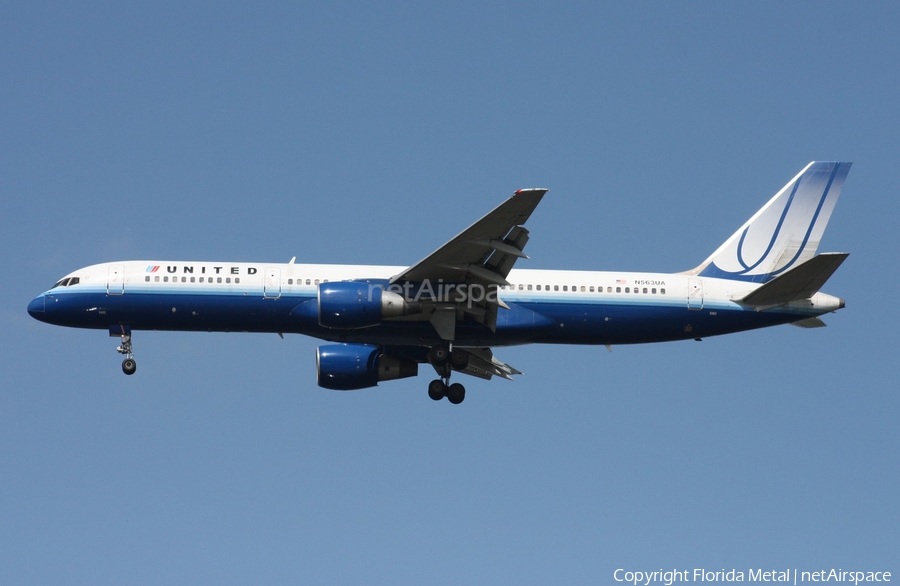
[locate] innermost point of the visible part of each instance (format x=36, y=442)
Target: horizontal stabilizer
x=801, y=282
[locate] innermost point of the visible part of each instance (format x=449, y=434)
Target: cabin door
x=272, y=283
x=115, y=280
x=695, y=293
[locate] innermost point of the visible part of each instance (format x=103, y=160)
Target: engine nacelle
x=351, y=305
x=347, y=367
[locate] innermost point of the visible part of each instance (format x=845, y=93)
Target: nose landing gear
x=129, y=365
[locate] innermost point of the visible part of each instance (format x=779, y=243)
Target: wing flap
x=483, y=364
x=503, y=259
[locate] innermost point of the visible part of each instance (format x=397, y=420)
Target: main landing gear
x=445, y=361
x=128, y=365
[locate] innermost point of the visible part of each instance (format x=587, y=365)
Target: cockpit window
x=67, y=282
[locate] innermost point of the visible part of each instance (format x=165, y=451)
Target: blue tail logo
x=785, y=232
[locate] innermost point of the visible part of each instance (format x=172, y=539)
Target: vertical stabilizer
x=785, y=232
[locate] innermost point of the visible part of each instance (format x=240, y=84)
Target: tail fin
x=785, y=232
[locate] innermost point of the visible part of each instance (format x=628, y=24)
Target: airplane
x=454, y=306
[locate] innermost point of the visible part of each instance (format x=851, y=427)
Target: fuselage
x=541, y=306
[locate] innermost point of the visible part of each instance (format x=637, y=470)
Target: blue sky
x=372, y=133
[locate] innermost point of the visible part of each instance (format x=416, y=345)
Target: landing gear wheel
x=128, y=365
x=437, y=389
x=439, y=355
x=456, y=393
x=459, y=359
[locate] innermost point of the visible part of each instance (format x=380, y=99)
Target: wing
x=480, y=256
x=485, y=251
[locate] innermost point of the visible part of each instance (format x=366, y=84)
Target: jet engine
x=351, y=305
x=347, y=367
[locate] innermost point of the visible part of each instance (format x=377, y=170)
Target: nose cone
x=36, y=308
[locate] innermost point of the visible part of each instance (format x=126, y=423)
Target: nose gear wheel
x=129, y=365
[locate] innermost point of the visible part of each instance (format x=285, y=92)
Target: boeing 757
x=452, y=308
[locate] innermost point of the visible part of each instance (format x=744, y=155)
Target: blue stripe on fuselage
x=581, y=321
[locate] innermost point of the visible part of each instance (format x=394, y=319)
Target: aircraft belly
x=636, y=324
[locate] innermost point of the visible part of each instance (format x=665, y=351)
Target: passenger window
x=165, y=279
x=662, y=291
x=147, y=278
x=582, y=288
x=317, y=281
x=538, y=287
x=307, y=281
x=653, y=291
x=556, y=287
x=618, y=289
x=592, y=288
x=237, y=279
x=156, y=278
x=521, y=287
x=228, y=280
x=184, y=279
x=290, y=281
x=565, y=287
x=218, y=279
x=645, y=290
x=192, y=279
x=529, y=287
x=628, y=289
